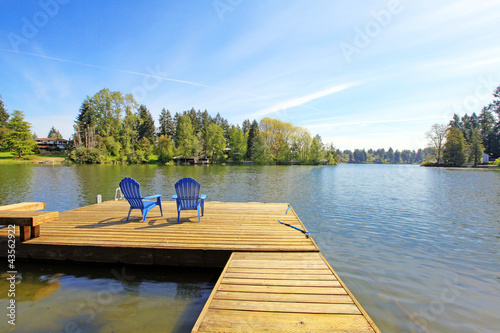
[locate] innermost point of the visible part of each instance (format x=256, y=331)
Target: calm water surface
x=419, y=247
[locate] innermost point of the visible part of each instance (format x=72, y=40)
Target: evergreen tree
x=54, y=134
x=222, y=123
x=246, y=126
x=494, y=140
x=420, y=156
x=406, y=156
x=167, y=125
x=389, y=156
x=19, y=137
x=195, y=120
x=4, y=118
x=487, y=124
x=253, y=133
x=146, y=128
x=205, y=121
x=397, y=157
x=476, y=148
x=359, y=156
x=87, y=116
x=454, y=148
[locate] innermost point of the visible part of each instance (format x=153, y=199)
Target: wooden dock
x=281, y=292
x=274, y=277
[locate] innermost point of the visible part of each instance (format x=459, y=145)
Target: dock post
x=98, y=199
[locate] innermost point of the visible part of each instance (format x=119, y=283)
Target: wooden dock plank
x=273, y=296
x=282, y=297
x=24, y=206
x=232, y=321
x=284, y=290
x=288, y=307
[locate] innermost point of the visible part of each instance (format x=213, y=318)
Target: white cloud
x=304, y=99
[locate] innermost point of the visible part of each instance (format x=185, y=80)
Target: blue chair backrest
x=188, y=193
x=132, y=192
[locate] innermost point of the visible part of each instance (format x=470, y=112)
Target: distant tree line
x=112, y=127
x=466, y=138
x=382, y=156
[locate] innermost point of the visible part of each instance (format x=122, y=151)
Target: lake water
x=418, y=247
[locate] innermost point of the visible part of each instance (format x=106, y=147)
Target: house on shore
x=46, y=143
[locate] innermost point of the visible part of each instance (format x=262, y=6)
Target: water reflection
x=88, y=298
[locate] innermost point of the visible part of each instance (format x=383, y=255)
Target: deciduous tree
x=164, y=149
x=237, y=144
x=216, y=142
x=436, y=137
x=187, y=143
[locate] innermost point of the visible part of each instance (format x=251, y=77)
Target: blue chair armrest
x=203, y=196
x=174, y=197
x=153, y=196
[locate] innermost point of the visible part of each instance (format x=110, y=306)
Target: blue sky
x=362, y=74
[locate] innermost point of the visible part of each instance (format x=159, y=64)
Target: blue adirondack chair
x=188, y=197
x=132, y=192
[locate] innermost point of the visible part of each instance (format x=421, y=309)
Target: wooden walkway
x=281, y=292
x=274, y=280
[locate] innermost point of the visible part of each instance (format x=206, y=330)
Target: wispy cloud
x=113, y=69
x=304, y=99
x=374, y=122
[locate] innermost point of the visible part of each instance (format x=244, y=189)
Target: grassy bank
x=11, y=158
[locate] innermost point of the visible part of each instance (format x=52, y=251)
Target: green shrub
x=497, y=162
x=428, y=163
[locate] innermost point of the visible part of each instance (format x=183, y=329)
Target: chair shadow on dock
x=136, y=221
